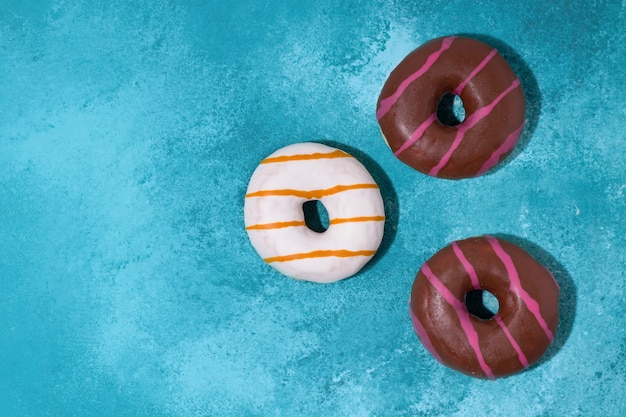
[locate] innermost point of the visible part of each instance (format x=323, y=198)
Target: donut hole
x=482, y=304
x=315, y=216
x=450, y=110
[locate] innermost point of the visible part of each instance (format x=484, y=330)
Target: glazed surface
x=515, y=337
x=275, y=220
x=492, y=96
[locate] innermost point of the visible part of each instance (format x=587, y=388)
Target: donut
x=491, y=94
x=515, y=337
x=275, y=218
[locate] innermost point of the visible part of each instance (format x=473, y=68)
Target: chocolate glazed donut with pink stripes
x=491, y=94
x=515, y=337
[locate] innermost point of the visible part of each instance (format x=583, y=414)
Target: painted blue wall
x=129, y=130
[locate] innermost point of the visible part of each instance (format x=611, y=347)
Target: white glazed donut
x=274, y=216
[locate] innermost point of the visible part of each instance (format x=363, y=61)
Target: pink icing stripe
x=417, y=134
x=446, y=157
x=483, y=112
x=464, y=318
x=421, y=332
x=516, y=286
x=508, y=144
x=520, y=354
x=387, y=103
x=476, y=70
x=468, y=266
x=470, y=122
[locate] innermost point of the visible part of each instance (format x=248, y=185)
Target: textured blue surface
x=128, y=132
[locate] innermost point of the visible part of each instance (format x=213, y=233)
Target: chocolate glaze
x=449, y=67
x=439, y=323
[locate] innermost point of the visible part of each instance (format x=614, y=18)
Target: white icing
x=311, y=175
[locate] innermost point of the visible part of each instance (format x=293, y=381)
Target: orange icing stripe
x=313, y=194
x=340, y=253
x=277, y=225
x=280, y=225
x=306, y=157
x=358, y=219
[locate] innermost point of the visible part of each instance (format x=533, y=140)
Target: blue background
x=128, y=133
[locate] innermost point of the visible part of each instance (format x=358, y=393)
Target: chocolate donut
x=491, y=94
x=515, y=337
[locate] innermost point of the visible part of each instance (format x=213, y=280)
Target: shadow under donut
x=567, y=296
x=390, y=198
x=532, y=93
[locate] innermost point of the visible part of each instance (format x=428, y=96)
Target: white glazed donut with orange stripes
x=275, y=218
